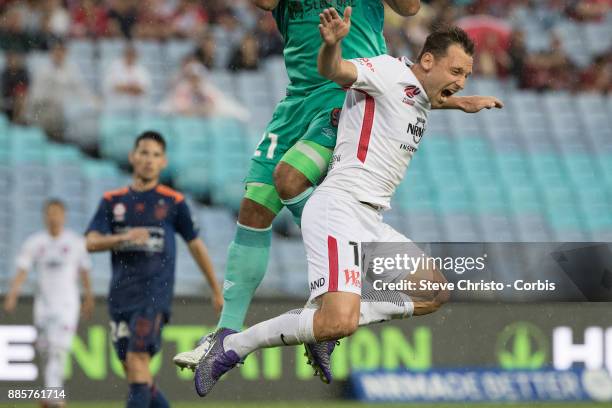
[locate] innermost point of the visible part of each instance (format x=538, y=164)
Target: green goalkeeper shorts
x=312, y=118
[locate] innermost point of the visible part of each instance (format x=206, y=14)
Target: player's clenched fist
x=332, y=27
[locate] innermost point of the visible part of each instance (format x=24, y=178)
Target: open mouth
x=447, y=92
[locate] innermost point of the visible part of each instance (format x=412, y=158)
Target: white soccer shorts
x=333, y=227
x=55, y=330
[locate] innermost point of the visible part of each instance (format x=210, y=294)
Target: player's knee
x=254, y=215
x=289, y=181
x=137, y=366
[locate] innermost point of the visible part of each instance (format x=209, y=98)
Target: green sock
x=247, y=261
x=297, y=203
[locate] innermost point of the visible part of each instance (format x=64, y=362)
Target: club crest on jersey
x=411, y=91
x=161, y=210
x=119, y=211
x=139, y=207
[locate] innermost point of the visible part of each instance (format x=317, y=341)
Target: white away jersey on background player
x=382, y=122
x=56, y=262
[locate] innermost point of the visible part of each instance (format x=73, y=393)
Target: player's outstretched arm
x=199, y=253
x=330, y=63
x=10, y=302
x=470, y=104
x=267, y=5
x=97, y=242
x=405, y=8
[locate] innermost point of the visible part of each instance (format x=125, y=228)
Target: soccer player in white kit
x=381, y=126
x=58, y=255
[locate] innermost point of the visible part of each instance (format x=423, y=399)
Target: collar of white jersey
x=409, y=64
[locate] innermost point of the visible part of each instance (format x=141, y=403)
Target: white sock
x=55, y=362
x=381, y=306
x=288, y=329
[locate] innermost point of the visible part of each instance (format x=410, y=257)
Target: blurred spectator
x=30, y=14
x=14, y=36
x=550, y=70
x=588, y=10
x=246, y=55
x=153, y=20
x=15, y=83
x=229, y=28
x=190, y=94
x=90, y=19
x=55, y=86
x=189, y=19
x=206, y=50
x=122, y=15
x=492, y=60
x=193, y=94
x=417, y=28
x=598, y=76
x=56, y=19
x=518, y=57
x=127, y=83
x=268, y=37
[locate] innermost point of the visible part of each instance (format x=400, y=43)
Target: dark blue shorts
x=137, y=331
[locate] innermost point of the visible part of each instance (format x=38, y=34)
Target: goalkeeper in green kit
x=293, y=155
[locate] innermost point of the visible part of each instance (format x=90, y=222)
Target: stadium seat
x=525, y=199
x=598, y=37
x=176, y=50
x=253, y=88
x=582, y=169
x=454, y=198
x=548, y=169
x=496, y=228
x=489, y=199
x=462, y=125
x=117, y=134
x=423, y=226
x=110, y=50
x=532, y=228
x=460, y=227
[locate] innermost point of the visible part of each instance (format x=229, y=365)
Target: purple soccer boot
x=215, y=362
x=319, y=355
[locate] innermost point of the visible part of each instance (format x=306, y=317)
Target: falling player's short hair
x=151, y=135
x=437, y=43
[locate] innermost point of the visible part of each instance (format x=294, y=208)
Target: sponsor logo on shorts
x=352, y=278
x=319, y=283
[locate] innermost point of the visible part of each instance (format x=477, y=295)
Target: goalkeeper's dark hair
x=437, y=43
x=151, y=135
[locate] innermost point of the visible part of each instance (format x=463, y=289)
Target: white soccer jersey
x=382, y=122
x=57, y=262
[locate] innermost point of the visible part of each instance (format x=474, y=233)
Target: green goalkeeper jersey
x=298, y=22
